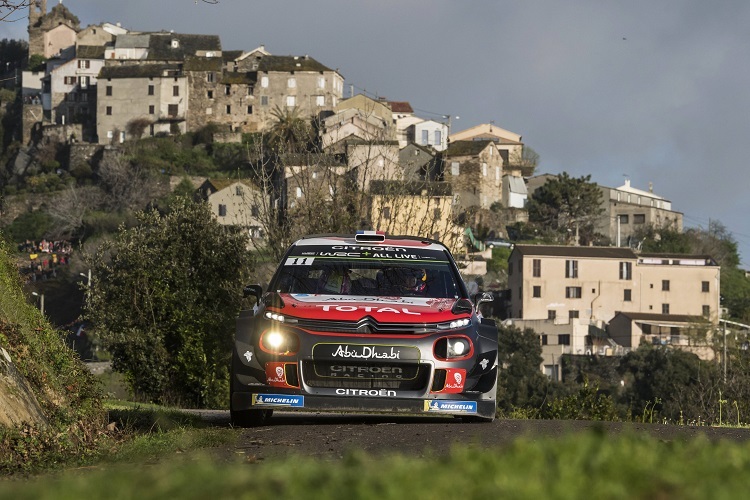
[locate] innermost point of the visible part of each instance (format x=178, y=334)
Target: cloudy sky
x=656, y=92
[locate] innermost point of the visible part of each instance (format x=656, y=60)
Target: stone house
x=235, y=203
x=51, y=32
x=429, y=133
x=475, y=170
x=418, y=163
x=508, y=143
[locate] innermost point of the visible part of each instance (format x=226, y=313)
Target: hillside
x=50, y=405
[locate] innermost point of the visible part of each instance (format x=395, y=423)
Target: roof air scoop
x=369, y=237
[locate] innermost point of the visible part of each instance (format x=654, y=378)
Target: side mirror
x=254, y=290
x=483, y=298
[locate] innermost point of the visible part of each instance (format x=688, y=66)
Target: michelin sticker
x=439, y=406
x=278, y=400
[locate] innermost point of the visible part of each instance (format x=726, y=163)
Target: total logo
x=278, y=400
x=439, y=406
x=331, y=307
x=454, y=380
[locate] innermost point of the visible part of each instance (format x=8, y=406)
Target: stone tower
x=37, y=10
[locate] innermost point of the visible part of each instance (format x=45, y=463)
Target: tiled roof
x=466, y=148
x=291, y=63
x=90, y=52
x=400, y=107
x=248, y=78
x=137, y=70
x=203, y=64
x=231, y=55
x=160, y=46
x=583, y=252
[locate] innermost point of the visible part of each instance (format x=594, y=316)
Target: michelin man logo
x=435, y=405
x=248, y=356
x=258, y=399
x=458, y=378
x=279, y=371
x=484, y=363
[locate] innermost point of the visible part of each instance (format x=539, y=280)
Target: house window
x=639, y=219
x=249, y=110
x=665, y=308
x=264, y=100
x=151, y=130
x=150, y=90
x=563, y=339
x=299, y=192
x=320, y=100
x=572, y=292
x=69, y=80
x=455, y=168
x=254, y=211
x=238, y=190
x=210, y=94
x=537, y=292
x=291, y=83
x=551, y=314
x=227, y=90
x=623, y=218
x=108, y=90
x=321, y=82
x=209, y=111
x=626, y=270
x=83, y=81
x=249, y=90
x=436, y=213
x=210, y=77
x=151, y=109
x=573, y=314
x=222, y=210
x=627, y=295
x=229, y=109
x=425, y=137
x=704, y=286
x=109, y=110
x=664, y=285
x=497, y=172
x=438, y=137
x=110, y=134
x=484, y=170
x=291, y=101
x=264, y=81
x=544, y=339
x=386, y=212
x=176, y=90
x=706, y=311
x=571, y=268
x=510, y=268
x=84, y=64
x=537, y=268
x=172, y=110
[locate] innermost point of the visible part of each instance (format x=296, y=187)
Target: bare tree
x=127, y=186
x=10, y=7
x=70, y=207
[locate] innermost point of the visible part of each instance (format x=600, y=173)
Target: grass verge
x=589, y=465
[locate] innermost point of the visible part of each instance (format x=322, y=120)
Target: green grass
x=587, y=465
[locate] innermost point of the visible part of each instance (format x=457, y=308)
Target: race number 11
x=299, y=261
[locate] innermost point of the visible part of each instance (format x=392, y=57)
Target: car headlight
x=274, y=316
x=453, y=348
x=279, y=342
x=456, y=323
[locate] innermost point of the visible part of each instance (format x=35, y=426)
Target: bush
x=164, y=300
x=30, y=226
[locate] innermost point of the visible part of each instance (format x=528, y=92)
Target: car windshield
x=428, y=275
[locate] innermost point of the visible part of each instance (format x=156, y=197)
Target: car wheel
x=250, y=418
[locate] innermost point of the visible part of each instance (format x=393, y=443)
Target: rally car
x=367, y=323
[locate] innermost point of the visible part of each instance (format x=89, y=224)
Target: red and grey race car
x=366, y=323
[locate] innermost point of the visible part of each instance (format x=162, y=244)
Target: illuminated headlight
x=458, y=323
x=274, y=316
x=457, y=347
x=279, y=342
x=453, y=348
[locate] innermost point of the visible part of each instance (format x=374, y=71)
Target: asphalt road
x=332, y=436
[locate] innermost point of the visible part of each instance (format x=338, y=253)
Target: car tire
x=250, y=418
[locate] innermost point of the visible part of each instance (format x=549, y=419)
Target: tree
x=526, y=159
x=164, y=300
x=567, y=206
x=520, y=383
